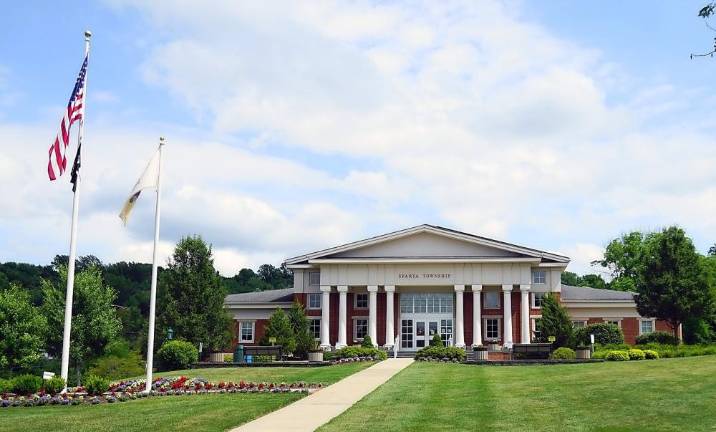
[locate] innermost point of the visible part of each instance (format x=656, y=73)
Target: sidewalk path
x=311, y=412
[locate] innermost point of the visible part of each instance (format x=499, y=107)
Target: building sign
x=404, y=276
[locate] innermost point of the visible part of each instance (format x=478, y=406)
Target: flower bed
x=165, y=386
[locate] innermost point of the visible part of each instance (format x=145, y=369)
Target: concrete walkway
x=309, y=413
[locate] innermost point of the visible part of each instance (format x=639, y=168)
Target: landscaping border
x=527, y=362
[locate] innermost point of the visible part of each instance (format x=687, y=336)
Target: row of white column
x=459, y=315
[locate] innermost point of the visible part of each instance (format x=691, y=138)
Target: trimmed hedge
x=26, y=384
x=441, y=353
x=96, y=385
x=604, y=333
x=357, y=351
x=563, y=353
x=617, y=356
x=636, y=354
x=651, y=354
x=177, y=354
x=659, y=337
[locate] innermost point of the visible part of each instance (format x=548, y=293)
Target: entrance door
x=424, y=332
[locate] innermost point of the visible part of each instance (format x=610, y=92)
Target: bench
x=255, y=350
x=531, y=351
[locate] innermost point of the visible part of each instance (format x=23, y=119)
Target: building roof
x=586, y=293
x=438, y=230
x=284, y=295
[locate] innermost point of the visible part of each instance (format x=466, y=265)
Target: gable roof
x=573, y=293
x=284, y=295
x=437, y=230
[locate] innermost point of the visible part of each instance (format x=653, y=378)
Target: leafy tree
x=589, y=280
x=299, y=326
x=672, y=283
x=570, y=278
x=94, y=319
x=712, y=251
x=623, y=257
x=555, y=322
x=22, y=330
x=279, y=327
x=191, y=297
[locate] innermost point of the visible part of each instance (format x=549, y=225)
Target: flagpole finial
x=161, y=141
x=88, y=35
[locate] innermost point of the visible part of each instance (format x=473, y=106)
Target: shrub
x=356, y=351
x=651, y=354
x=26, y=384
x=555, y=322
x=367, y=342
x=263, y=358
x=600, y=354
x=617, y=355
x=436, y=341
x=177, y=354
x=228, y=357
x=636, y=354
x=563, y=353
x=54, y=385
x=115, y=367
x=604, y=334
x=441, y=353
x=5, y=386
x=659, y=337
x=96, y=385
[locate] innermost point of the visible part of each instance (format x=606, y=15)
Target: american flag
x=75, y=109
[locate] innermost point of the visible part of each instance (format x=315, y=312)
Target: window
x=492, y=328
x=615, y=321
x=314, y=278
x=406, y=333
x=579, y=324
x=314, y=327
x=361, y=301
x=446, y=331
x=537, y=299
x=314, y=300
x=492, y=300
x=360, y=328
x=246, y=331
x=539, y=277
x=406, y=303
x=536, y=334
x=426, y=303
x=646, y=326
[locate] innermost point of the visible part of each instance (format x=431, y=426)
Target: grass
x=655, y=395
x=213, y=412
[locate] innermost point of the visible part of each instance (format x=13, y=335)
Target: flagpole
x=73, y=242
x=153, y=289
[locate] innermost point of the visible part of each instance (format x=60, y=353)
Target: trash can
x=239, y=354
x=249, y=359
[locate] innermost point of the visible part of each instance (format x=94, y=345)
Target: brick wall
x=259, y=332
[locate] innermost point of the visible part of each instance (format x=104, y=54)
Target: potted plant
x=493, y=346
x=315, y=353
x=480, y=352
x=583, y=352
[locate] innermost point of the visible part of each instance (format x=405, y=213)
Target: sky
x=295, y=126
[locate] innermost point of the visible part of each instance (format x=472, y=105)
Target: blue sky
x=554, y=124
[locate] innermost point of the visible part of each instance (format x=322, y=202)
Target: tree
x=712, y=250
x=22, y=330
x=672, y=282
x=623, y=257
x=555, y=322
x=279, y=327
x=570, y=278
x=589, y=280
x=191, y=297
x=94, y=319
x=299, y=326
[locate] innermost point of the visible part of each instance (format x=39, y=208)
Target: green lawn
x=660, y=395
x=211, y=412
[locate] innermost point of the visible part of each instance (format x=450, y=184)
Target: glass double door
x=424, y=332
x=416, y=333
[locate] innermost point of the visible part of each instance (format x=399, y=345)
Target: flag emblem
x=75, y=110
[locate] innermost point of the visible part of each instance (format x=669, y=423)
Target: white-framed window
x=646, y=326
x=446, y=331
x=246, y=331
x=360, y=301
x=539, y=277
x=537, y=299
x=360, y=328
x=579, y=323
x=314, y=327
x=313, y=301
x=492, y=328
x=314, y=278
x=492, y=299
x=536, y=334
x=616, y=321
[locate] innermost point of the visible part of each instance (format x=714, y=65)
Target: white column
x=372, y=311
x=342, y=290
x=525, y=314
x=459, y=320
x=325, y=317
x=507, y=315
x=389, y=318
x=476, y=315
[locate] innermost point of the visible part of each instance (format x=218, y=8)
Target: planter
x=315, y=356
x=481, y=355
x=216, y=357
x=583, y=353
x=493, y=346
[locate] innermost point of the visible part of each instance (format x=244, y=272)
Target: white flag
x=148, y=180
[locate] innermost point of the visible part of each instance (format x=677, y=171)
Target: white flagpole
x=153, y=290
x=73, y=241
